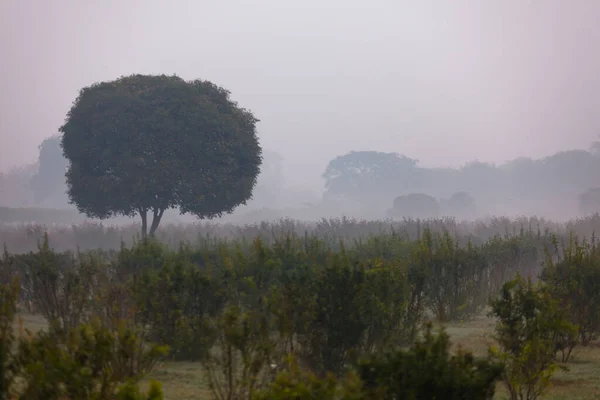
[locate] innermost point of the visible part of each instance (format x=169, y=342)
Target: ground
x=184, y=380
x=581, y=381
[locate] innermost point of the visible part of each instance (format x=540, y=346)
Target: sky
x=442, y=81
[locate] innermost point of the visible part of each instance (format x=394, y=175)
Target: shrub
x=427, y=370
x=531, y=327
x=574, y=279
x=89, y=362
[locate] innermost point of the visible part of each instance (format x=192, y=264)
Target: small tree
x=90, y=362
x=144, y=144
x=531, y=327
x=574, y=279
x=61, y=286
x=241, y=354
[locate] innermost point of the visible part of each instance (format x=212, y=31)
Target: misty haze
x=275, y=199
x=493, y=99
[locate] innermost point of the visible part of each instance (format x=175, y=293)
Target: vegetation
x=417, y=205
x=88, y=361
x=428, y=371
x=146, y=144
x=531, y=329
x=461, y=205
x=274, y=313
x=370, y=180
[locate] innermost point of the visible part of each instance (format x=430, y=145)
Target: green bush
x=573, y=277
x=427, y=370
x=531, y=328
x=89, y=361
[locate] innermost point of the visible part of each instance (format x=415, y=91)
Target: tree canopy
x=513, y=187
x=361, y=173
x=143, y=144
x=460, y=204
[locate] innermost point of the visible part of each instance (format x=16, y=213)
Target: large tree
x=145, y=144
x=361, y=174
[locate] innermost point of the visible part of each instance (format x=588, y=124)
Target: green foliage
x=531, y=328
x=130, y=391
x=9, y=294
x=60, y=285
x=240, y=307
x=297, y=383
x=337, y=326
x=145, y=144
x=238, y=362
x=453, y=277
x=574, y=279
x=175, y=302
x=89, y=362
x=427, y=370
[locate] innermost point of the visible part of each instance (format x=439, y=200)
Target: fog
x=444, y=82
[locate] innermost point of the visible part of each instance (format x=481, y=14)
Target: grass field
x=185, y=381
x=581, y=381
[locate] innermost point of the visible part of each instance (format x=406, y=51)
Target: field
x=581, y=381
x=185, y=380
x=251, y=263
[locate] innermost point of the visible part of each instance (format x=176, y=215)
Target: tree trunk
x=144, y=215
x=156, y=217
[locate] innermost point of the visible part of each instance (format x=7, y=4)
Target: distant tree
x=52, y=165
x=460, y=204
x=478, y=176
x=415, y=205
x=143, y=144
x=570, y=170
x=362, y=173
x=589, y=201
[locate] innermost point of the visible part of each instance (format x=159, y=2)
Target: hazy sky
x=443, y=81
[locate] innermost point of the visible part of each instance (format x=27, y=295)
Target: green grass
x=185, y=380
